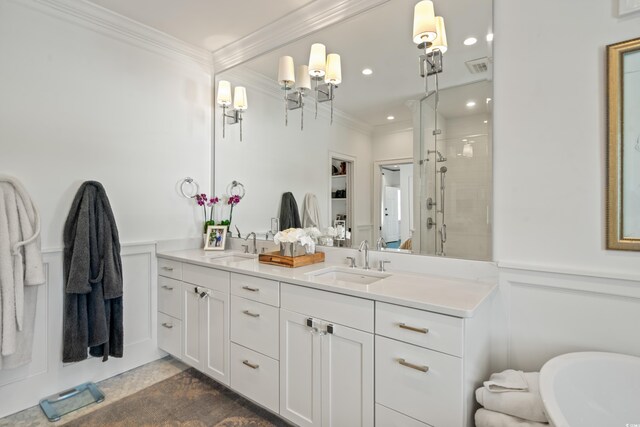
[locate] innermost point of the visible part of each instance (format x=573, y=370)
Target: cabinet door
x=215, y=335
x=300, y=365
x=191, y=326
x=347, y=377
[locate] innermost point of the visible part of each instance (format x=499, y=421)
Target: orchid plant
x=211, y=202
x=207, y=202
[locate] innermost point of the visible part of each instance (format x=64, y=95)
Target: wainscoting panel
x=546, y=314
x=23, y=387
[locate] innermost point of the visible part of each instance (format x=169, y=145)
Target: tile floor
x=114, y=388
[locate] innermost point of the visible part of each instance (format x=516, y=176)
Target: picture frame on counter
x=216, y=238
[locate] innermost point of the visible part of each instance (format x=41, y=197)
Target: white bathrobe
x=20, y=266
x=310, y=211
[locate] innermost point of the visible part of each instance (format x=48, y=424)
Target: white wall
x=273, y=159
x=563, y=291
x=107, y=100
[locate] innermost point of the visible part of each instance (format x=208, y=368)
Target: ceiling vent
x=477, y=66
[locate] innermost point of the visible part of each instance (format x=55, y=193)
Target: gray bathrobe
x=289, y=215
x=93, y=311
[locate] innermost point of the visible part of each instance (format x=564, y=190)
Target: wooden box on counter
x=274, y=258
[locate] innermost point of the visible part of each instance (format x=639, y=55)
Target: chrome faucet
x=365, y=245
x=381, y=243
x=267, y=234
x=255, y=247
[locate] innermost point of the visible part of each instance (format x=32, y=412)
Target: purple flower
x=212, y=201
x=234, y=200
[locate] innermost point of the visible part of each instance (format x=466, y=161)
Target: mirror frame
x=615, y=96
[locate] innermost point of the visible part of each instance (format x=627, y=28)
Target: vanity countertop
x=445, y=295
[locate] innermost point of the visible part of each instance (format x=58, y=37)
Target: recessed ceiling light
x=486, y=121
x=488, y=100
x=390, y=117
x=367, y=71
x=471, y=104
x=490, y=37
x=470, y=41
x=464, y=140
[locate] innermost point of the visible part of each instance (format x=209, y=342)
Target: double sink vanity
x=327, y=344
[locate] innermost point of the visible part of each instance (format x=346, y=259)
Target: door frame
x=377, y=190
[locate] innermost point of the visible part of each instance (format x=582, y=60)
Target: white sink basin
x=348, y=276
x=591, y=389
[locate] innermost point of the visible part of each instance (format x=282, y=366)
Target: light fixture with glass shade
x=324, y=70
x=239, y=102
x=430, y=35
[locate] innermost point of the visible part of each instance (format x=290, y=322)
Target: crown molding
x=305, y=20
x=262, y=84
x=107, y=22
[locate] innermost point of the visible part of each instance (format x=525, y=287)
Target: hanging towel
x=486, y=418
x=93, y=311
x=289, y=215
x=310, y=211
x=510, y=380
x=21, y=269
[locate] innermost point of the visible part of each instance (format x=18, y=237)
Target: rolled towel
x=486, y=418
x=526, y=405
x=511, y=380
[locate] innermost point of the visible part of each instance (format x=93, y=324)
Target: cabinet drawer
x=255, y=325
x=170, y=335
x=256, y=376
x=170, y=268
x=342, y=309
x=211, y=278
x=433, y=397
x=256, y=288
x=423, y=328
x=169, y=297
x=386, y=417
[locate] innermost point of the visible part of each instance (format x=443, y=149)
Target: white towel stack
x=511, y=398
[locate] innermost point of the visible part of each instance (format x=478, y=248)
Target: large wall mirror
x=396, y=163
x=623, y=196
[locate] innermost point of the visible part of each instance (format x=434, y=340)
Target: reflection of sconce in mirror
x=234, y=115
x=430, y=35
x=321, y=67
x=467, y=150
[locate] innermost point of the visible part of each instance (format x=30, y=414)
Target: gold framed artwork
x=623, y=152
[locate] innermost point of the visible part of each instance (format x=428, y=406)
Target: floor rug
x=188, y=399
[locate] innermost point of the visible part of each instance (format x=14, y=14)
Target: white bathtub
x=592, y=389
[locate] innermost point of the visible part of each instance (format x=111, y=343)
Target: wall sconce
x=467, y=150
x=321, y=67
x=430, y=35
x=234, y=115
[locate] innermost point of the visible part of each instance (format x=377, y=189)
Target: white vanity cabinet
x=428, y=366
x=205, y=296
x=326, y=367
x=321, y=358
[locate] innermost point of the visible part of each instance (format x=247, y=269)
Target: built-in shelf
x=338, y=176
x=338, y=198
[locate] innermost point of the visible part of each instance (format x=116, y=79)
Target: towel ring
x=238, y=187
x=192, y=183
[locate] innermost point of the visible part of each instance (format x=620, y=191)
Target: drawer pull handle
x=251, y=365
x=167, y=325
x=248, y=313
x=169, y=288
x=412, y=366
x=413, y=328
x=168, y=268
x=250, y=289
